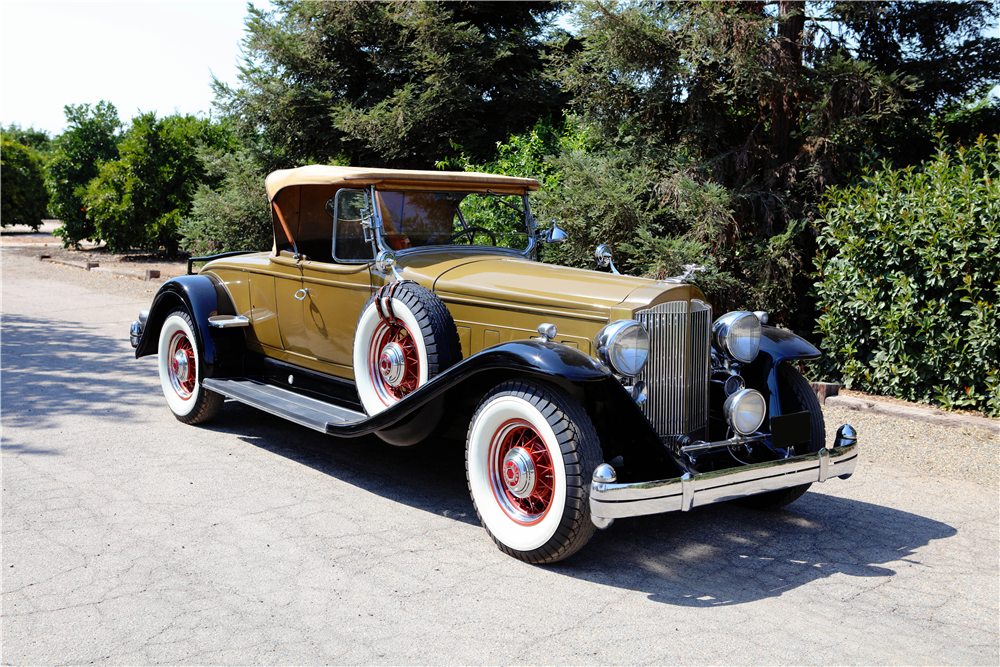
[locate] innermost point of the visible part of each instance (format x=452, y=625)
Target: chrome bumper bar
x=610, y=501
x=135, y=331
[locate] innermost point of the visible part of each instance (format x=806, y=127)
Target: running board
x=300, y=409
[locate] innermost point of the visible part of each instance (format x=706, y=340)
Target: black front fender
x=529, y=359
x=777, y=345
x=202, y=296
x=521, y=358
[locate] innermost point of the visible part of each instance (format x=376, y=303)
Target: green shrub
x=23, y=198
x=139, y=199
x=236, y=215
x=909, y=285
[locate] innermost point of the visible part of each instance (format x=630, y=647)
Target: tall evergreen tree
x=389, y=84
x=773, y=102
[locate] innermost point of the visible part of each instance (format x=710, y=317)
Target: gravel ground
x=965, y=453
x=30, y=266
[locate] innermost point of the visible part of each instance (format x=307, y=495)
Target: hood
x=523, y=282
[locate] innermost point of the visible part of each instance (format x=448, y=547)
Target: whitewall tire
x=394, y=358
x=180, y=362
x=530, y=455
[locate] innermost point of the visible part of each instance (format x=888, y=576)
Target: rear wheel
x=180, y=371
x=796, y=396
x=530, y=456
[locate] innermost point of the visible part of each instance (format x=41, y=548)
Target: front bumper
x=135, y=331
x=610, y=501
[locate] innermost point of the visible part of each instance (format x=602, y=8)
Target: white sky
x=140, y=56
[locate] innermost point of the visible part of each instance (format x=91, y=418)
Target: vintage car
x=408, y=304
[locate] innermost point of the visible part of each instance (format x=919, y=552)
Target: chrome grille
x=676, y=374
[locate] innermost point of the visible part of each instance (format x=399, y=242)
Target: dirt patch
x=24, y=242
x=899, y=401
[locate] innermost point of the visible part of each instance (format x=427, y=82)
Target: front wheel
x=530, y=456
x=180, y=372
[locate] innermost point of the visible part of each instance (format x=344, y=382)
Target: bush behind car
x=910, y=283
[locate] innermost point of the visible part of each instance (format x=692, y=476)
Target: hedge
x=909, y=280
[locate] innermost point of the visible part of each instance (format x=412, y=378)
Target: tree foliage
x=909, y=285
x=22, y=185
x=741, y=114
x=91, y=138
x=29, y=136
x=388, y=84
x=139, y=199
x=234, y=216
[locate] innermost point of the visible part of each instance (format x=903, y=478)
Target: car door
x=320, y=303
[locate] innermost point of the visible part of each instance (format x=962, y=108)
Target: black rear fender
x=202, y=296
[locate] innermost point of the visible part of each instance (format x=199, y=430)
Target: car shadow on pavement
x=53, y=369
x=726, y=554
x=429, y=477
x=718, y=555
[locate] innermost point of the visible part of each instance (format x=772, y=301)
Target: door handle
x=301, y=294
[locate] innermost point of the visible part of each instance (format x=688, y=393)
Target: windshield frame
x=381, y=244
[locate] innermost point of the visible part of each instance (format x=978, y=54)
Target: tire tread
x=581, y=453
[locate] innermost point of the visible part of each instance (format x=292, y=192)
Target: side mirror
x=603, y=257
x=555, y=235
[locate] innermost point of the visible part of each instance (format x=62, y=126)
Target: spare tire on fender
x=405, y=336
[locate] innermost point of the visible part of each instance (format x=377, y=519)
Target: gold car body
x=493, y=297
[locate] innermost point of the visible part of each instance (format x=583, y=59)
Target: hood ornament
x=689, y=270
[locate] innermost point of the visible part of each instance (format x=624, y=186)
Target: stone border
x=929, y=415
x=148, y=275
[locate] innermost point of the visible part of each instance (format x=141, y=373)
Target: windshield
x=419, y=219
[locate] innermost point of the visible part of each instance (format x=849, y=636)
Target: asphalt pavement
x=130, y=538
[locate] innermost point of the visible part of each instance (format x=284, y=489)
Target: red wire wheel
x=521, y=472
x=399, y=345
x=529, y=459
x=182, y=367
x=393, y=362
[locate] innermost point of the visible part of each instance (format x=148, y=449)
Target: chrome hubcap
x=519, y=472
x=180, y=365
x=392, y=364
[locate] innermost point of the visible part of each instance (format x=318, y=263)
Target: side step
x=294, y=407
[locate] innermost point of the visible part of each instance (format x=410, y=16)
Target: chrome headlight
x=737, y=335
x=745, y=411
x=624, y=346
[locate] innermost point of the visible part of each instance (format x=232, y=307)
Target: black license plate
x=791, y=429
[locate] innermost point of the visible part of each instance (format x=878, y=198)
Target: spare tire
x=405, y=336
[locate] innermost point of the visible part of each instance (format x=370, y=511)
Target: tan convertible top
x=466, y=181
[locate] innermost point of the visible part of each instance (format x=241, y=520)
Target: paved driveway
x=130, y=538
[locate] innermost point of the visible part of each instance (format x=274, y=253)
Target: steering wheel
x=469, y=232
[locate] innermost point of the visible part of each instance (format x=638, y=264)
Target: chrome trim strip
x=449, y=297
x=615, y=501
x=228, y=321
